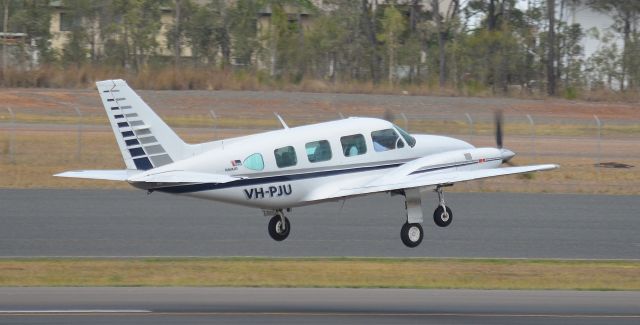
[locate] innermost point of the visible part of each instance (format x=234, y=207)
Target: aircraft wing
x=109, y=175
x=137, y=176
x=181, y=176
x=385, y=183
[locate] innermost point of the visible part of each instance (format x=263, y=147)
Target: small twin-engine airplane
x=291, y=167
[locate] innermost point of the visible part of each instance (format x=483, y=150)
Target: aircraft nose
x=507, y=154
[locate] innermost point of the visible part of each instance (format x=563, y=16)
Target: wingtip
x=63, y=174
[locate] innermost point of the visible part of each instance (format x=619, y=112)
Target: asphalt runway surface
x=132, y=223
x=313, y=306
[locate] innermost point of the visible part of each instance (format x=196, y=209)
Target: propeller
x=498, y=122
x=506, y=153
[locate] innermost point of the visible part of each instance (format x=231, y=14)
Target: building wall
x=60, y=38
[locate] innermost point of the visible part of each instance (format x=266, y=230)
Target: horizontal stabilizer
x=110, y=175
x=181, y=176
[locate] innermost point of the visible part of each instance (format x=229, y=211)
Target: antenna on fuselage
x=284, y=125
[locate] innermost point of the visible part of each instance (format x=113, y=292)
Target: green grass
x=325, y=272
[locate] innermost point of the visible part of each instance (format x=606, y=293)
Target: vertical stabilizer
x=145, y=141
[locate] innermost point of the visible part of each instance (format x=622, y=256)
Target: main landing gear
x=279, y=226
x=411, y=232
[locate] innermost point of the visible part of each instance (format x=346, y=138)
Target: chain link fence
x=69, y=137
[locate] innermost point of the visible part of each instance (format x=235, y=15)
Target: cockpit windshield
x=407, y=137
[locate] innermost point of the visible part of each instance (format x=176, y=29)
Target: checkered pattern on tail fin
x=145, y=141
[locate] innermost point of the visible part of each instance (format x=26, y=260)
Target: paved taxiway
x=295, y=306
x=132, y=223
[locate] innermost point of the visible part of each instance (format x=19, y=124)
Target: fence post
x=406, y=121
x=533, y=136
x=215, y=123
x=12, y=135
x=470, y=120
x=598, y=126
x=79, y=139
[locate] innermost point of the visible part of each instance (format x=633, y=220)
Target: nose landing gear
x=442, y=216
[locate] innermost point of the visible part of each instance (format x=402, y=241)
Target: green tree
x=129, y=31
x=243, y=31
x=182, y=12
x=32, y=17
x=393, y=25
x=604, y=65
x=625, y=15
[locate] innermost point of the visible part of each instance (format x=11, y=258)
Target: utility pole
x=177, y=43
x=551, y=45
x=5, y=26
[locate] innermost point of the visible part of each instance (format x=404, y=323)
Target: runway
x=313, y=306
x=132, y=223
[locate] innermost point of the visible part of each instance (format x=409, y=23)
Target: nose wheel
x=442, y=216
x=279, y=227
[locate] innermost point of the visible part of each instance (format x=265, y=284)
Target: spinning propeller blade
x=506, y=153
x=498, y=122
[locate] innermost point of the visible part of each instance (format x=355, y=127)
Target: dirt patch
x=613, y=164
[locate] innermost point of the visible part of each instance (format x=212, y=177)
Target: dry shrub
x=210, y=78
x=608, y=95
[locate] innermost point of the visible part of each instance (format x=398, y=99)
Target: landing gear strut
x=411, y=232
x=442, y=216
x=279, y=226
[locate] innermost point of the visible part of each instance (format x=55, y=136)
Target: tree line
x=473, y=45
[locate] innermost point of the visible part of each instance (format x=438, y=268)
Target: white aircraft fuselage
x=300, y=184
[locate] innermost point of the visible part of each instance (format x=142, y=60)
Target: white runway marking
x=76, y=311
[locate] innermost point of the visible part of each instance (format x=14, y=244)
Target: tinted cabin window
x=407, y=137
x=353, y=145
x=285, y=157
x=318, y=151
x=387, y=139
x=254, y=162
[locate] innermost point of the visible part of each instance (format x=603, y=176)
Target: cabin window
x=254, y=162
x=318, y=151
x=353, y=145
x=406, y=136
x=387, y=139
x=285, y=157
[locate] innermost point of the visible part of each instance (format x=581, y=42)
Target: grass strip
x=325, y=272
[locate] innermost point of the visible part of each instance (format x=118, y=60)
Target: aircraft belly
x=268, y=196
x=279, y=195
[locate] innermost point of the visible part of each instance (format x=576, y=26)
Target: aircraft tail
x=145, y=140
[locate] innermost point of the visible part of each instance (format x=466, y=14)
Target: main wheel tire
x=441, y=218
x=411, y=234
x=275, y=228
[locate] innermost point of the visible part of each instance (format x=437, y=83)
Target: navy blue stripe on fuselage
x=180, y=189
